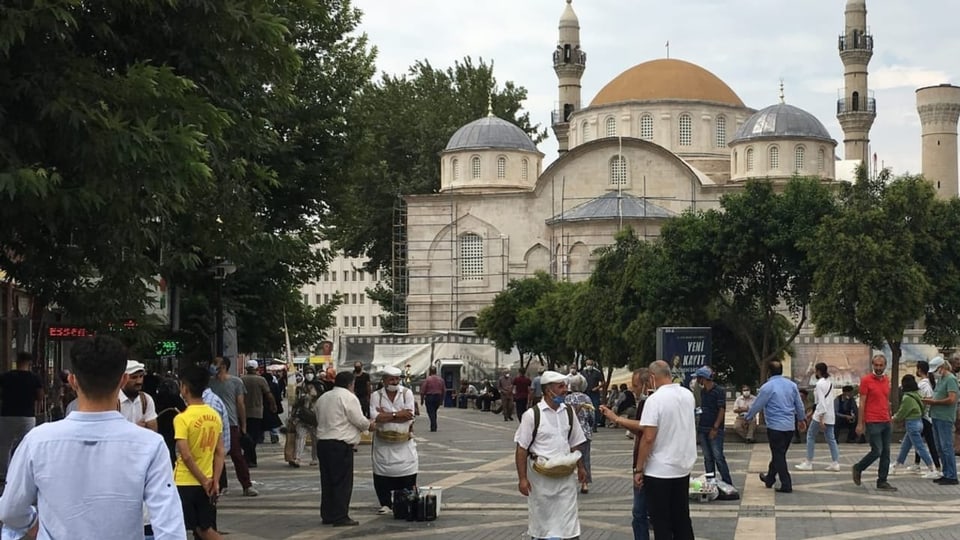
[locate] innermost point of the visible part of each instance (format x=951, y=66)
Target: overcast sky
x=750, y=44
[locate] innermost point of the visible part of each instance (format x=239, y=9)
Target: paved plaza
x=471, y=457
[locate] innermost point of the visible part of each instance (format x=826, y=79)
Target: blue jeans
x=713, y=458
x=943, y=434
x=914, y=438
x=595, y=399
x=828, y=434
x=878, y=433
x=641, y=527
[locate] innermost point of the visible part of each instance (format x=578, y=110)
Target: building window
x=306, y=299
x=584, y=131
x=346, y=275
x=362, y=321
x=686, y=130
x=471, y=257
x=475, y=167
x=353, y=298
x=362, y=297
x=774, y=158
x=646, y=127
x=501, y=167
x=523, y=170
x=360, y=274
x=749, y=159
x=326, y=276
x=353, y=275
x=618, y=171
x=821, y=160
x=736, y=164
x=456, y=169
x=798, y=158
x=721, y=131
x=374, y=322
x=326, y=298
x=346, y=322
x=316, y=299
x=333, y=275
x=353, y=321
x=611, y=124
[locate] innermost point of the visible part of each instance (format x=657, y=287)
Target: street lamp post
x=223, y=269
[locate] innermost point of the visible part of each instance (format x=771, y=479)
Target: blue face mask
x=558, y=400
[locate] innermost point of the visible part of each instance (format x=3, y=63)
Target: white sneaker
x=931, y=475
x=384, y=510
x=915, y=468
x=804, y=466
x=896, y=468
x=835, y=467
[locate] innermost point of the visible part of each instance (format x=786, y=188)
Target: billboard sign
x=685, y=349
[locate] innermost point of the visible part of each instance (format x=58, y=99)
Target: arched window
x=584, y=131
x=475, y=167
x=618, y=171
x=523, y=170
x=646, y=127
x=456, y=169
x=686, y=130
x=774, y=162
x=855, y=106
x=721, y=131
x=501, y=167
x=469, y=323
x=749, y=159
x=611, y=124
x=736, y=164
x=799, y=153
x=821, y=160
x=471, y=257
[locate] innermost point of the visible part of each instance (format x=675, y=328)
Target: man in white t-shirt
x=135, y=405
x=668, y=451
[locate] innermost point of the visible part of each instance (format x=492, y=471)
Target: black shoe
x=946, y=481
x=885, y=486
x=784, y=490
x=856, y=475
x=293, y=464
x=346, y=522
x=763, y=478
x=251, y=465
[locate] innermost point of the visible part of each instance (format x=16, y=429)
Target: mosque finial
x=490, y=104
x=782, y=96
x=569, y=1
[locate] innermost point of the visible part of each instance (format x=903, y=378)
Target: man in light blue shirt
x=783, y=410
x=92, y=473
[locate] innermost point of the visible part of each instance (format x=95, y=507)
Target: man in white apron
x=395, y=460
x=551, y=497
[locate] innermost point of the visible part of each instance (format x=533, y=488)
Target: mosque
x=662, y=137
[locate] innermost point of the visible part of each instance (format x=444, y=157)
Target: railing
x=859, y=42
x=557, y=116
x=860, y=104
x=566, y=55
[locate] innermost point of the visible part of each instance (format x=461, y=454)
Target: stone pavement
x=471, y=457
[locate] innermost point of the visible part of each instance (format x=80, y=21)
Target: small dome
x=781, y=121
x=666, y=79
x=490, y=132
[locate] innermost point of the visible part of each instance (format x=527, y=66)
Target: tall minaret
x=569, y=61
x=856, y=110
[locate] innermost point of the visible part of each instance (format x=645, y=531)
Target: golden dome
x=666, y=79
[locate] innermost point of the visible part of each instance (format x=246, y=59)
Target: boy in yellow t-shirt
x=197, y=432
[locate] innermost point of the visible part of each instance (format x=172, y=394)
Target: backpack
x=536, y=425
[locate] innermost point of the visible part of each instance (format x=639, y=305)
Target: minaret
x=939, y=109
x=569, y=61
x=856, y=110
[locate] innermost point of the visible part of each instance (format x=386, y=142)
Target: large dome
x=490, y=132
x=781, y=121
x=666, y=79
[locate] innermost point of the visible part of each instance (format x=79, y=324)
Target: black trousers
x=521, y=404
x=779, y=444
x=931, y=444
x=433, y=403
x=249, y=441
x=336, y=479
x=668, y=505
x=385, y=486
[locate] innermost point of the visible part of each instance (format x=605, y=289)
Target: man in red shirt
x=431, y=394
x=521, y=392
x=875, y=422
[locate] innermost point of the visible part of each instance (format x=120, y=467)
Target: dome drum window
x=686, y=130
x=611, y=126
x=618, y=171
x=501, y=167
x=721, y=125
x=475, y=167
x=774, y=162
x=821, y=160
x=646, y=127
x=749, y=159
x=456, y=169
x=799, y=155
x=524, y=167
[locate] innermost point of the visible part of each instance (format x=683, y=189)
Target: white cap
x=390, y=371
x=133, y=366
x=252, y=364
x=936, y=362
x=550, y=377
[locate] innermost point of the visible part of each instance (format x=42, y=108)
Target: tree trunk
x=895, y=353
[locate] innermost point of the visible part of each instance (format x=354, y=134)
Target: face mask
x=393, y=387
x=309, y=376
x=212, y=370
x=558, y=400
x=746, y=393
x=357, y=369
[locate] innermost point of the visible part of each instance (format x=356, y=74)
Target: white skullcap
x=550, y=377
x=390, y=371
x=133, y=366
x=252, y=364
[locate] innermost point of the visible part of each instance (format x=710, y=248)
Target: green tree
x=870, y=282
x=511, y=321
